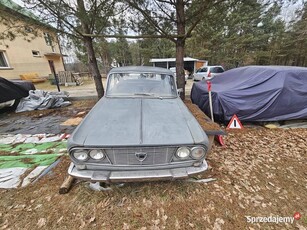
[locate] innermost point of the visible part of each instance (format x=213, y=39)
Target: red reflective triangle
x=234, y=123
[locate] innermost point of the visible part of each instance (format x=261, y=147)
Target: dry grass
x=260, y=172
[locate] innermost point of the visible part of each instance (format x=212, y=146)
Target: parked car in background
x=208, y=72
x=186, y=75
x=140, y=130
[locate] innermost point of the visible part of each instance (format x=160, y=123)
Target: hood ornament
x=140, y=156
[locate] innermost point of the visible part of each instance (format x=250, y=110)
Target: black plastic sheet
x=12, y=90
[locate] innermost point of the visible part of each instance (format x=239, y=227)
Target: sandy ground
x=260, y=173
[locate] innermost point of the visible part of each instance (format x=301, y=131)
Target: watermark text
x=270, y=219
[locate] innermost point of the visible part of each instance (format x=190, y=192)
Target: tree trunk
x=180, y=42
x=88, y=42
x=180, y=66
x=92, y=62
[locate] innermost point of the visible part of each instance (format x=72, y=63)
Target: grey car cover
x=255, y=93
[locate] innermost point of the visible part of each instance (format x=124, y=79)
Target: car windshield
x=141, y=85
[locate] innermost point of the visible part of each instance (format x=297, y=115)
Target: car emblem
x=141, y=156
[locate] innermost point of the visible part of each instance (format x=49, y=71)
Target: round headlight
x=97, y=154
x=198, y=152
x=80, y=154
x=183, y=152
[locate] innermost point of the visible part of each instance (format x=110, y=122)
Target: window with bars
x=48, y=39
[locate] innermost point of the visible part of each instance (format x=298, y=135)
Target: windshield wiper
x=144, y=94
x=148, y=94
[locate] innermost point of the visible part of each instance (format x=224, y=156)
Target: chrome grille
x=127, y=156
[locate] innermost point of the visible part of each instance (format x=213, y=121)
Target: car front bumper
x=137, y=175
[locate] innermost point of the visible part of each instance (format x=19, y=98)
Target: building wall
x=21, y=59
x=191, y=66
x=200, y=64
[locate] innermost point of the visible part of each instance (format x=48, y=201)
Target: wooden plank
x=65, y=187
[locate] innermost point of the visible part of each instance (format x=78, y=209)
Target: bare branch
x=168, y=2
x=198, y=16
x=164, y=11
x=68, y=6
x=169, y=36
x=55, y=13
x=150, y=19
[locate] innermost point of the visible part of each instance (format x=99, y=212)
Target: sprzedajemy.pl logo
x=273, y=219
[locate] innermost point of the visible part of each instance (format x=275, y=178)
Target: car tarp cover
x=255, y=93
x=11, y=90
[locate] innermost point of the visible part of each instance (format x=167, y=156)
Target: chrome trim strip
x=141, y=122
x=136, y=175
x=101, y=166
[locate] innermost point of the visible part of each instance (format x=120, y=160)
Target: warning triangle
x=234, y=123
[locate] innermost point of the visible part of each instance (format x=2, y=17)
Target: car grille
x=154, y=155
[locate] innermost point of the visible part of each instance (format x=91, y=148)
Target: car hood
x=138, y=121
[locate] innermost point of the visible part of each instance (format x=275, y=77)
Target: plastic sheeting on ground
x=27, y=156
x=40, y=100
x=10, y=177
x=27, y=161
x=33, y=148
x=255, y=93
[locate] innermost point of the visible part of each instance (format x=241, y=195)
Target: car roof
x=214, y=66
x=140, y=69
x=211, y=66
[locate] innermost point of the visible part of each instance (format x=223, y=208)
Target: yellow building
x=26, y=44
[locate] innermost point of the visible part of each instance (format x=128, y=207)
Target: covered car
x=140, y=130
x=255, y=93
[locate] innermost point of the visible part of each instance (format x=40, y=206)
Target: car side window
x=203, y=70
x=217, y=70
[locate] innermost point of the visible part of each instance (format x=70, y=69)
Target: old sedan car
x=140, y=130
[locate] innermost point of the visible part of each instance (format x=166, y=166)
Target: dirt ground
x=260, y=172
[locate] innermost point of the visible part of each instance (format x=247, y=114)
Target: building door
x=52, y=68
